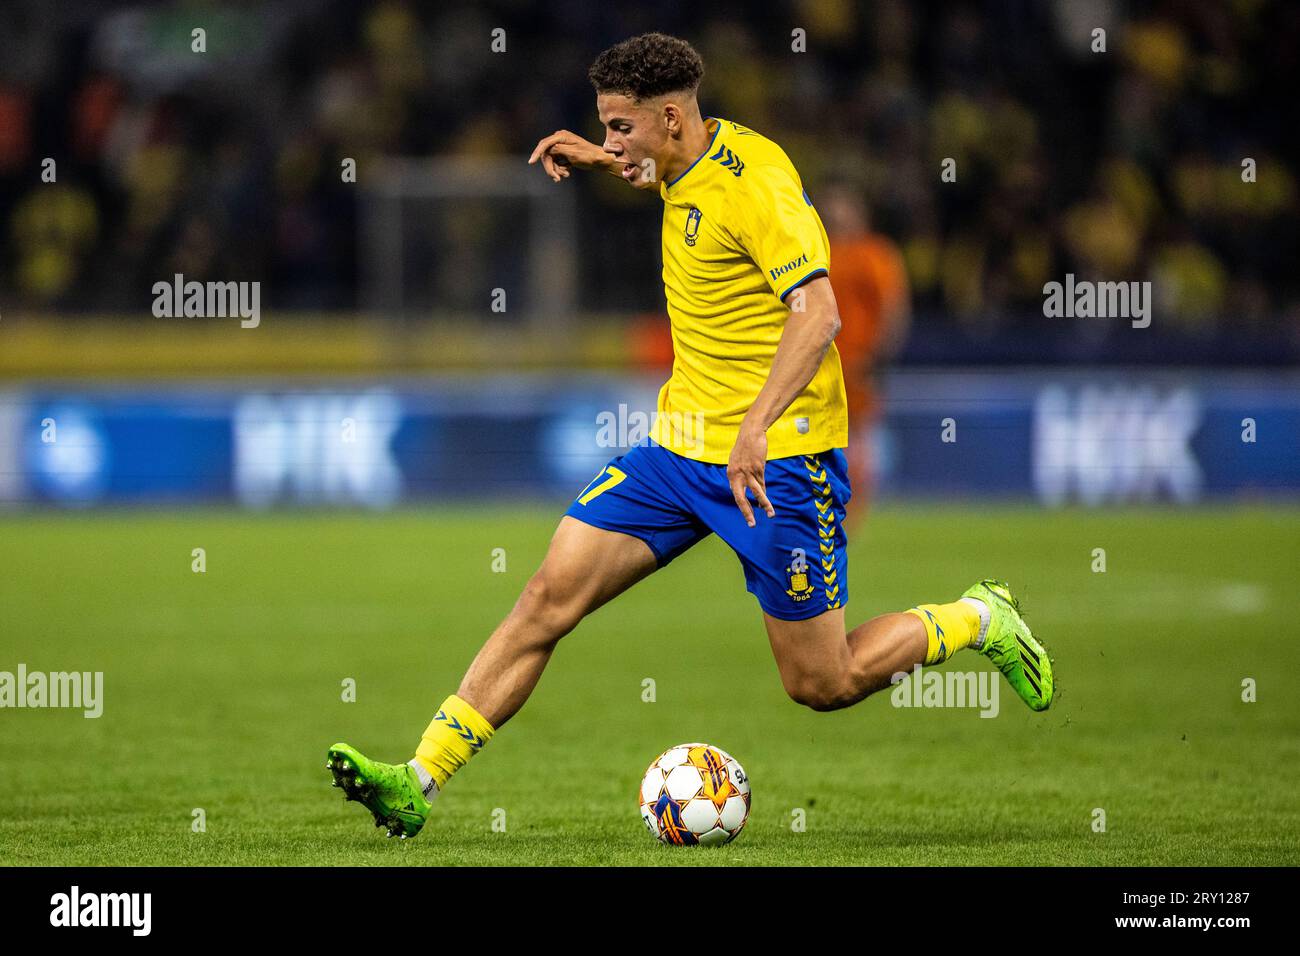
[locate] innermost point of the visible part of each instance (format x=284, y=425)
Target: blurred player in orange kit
x=875, y=305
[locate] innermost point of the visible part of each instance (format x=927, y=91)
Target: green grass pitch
x=223, y=689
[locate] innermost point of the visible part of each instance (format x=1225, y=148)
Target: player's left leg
x=825, y=668
x=796, y=564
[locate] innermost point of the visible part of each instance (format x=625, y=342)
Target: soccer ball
x=694, y=794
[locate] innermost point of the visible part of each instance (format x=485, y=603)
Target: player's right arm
x=563, y=150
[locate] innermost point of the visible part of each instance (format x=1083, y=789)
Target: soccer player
x=872, y=291
x=747, y=443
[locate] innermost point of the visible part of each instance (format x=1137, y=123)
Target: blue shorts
x=796, y=563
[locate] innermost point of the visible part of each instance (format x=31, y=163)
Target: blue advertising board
x=1093, y=438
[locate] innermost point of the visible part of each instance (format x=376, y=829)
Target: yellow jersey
x=739, y=233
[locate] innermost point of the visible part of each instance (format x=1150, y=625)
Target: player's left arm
x=812, y=325
x=778, y=227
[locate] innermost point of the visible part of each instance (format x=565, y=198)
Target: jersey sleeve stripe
x=811, y=275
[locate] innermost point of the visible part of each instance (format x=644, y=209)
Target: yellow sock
x=948, y=627
x=456, y=733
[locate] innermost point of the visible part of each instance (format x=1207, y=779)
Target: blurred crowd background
x=1116, y=165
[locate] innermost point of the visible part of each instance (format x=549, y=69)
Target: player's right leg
x=584, y=567
x=618, y=531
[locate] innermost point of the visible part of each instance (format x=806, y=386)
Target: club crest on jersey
x=801, y=588
x=693, y=225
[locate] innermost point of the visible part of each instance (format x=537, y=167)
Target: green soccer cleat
x=389, y=791
x=1010, y=645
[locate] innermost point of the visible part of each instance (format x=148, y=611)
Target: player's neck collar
x=717, y=129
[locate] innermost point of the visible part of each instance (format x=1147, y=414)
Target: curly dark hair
x=646, y=66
